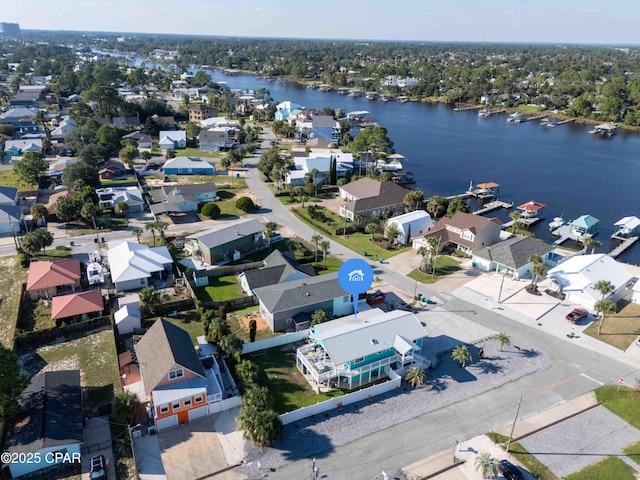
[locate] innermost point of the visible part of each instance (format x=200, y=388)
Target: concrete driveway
x=194, y=451
x=97, y=441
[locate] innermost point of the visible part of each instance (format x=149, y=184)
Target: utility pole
x=513, y=427
x=504, y=274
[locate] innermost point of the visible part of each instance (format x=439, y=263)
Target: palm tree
x=433, y=245
x=413, y=199
x=515, y=216
x=488, y=466
x=88, y=211
x=316, y=240
x=152, y=226
x=218, y=329
x=503, y=339
x=415, y=376
x=38, y=211
x=137, y=231
x=425, y=263
x=371, y=228
x=461, y=354
x=587, y=242
x=595, y=244
x=122, y=207
x=149, y=297
x=324, y=247
x=124, y=406
x=537, y=271
x=247, y=371
x=605, y=287
x=161, y=227
x=604, y=307
x=269, y=229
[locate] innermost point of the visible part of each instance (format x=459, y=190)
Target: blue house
x=188, y=166
x=352, y=351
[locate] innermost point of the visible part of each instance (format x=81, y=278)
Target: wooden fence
x=164, y=309
x=230, y=269
x=233, y=304
x=41, y=337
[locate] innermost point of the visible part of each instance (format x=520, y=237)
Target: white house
x=578, y=275
x=127, y=319
x=133, y=264
x=410, y=225
x=112, y=196
x=64, y=128
x=172, y=139
x=214, y=139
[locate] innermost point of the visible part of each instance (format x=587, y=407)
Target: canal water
x=571, y=172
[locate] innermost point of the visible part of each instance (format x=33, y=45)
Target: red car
x=376, y=297
x=576, y=315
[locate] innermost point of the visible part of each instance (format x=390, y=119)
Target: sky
x=519, y=21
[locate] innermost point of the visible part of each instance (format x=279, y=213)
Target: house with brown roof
x=463, y=231
x=179, y=384
x=53, y=277
x=76, y=306
x=200, y=112
x=371, y=197
x=51, y=204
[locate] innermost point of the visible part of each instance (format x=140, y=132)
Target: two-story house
x=200, y=112
x=214, y=139
x=369, y=197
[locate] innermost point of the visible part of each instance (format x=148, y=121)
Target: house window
x=174, y=374
x=187, y=402
x=198, y=398
x=164, y=408
x=346, y=298
x=175, y=405
x=359, y=360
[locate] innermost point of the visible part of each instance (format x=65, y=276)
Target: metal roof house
x=410, y=225
x=511, y=255
x=188, y=166
x=50, y=421
x=353, y=351
x=133, y=264
x=226, y=242
x=627, y=227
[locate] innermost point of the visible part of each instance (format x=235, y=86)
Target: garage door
x=167, y=422
x=198, y=412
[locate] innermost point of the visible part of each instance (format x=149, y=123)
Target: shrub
x=245, y=204
x=211, y=210
x=24, y=260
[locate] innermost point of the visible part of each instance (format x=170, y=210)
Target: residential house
x=165, y=121
x=200, y=112
x=50, y=421
x=110, y=197
x=188, y=166
x=112, y=169
x=369, y=197
x=11, y=217
x=319, y=126
x=511, y=256
x=172, y=139
x=20, y=118
x=278, y=268
x=282, y=302
x=76, y=306
x=128, y=319
x=53, y=199
x=17, y=148
x=353, y=351
x=463, y=231
x=134, y=264
x=215, y=139
x=577, y=276
x=27, y=99
x=410, y=225
x=8, y=195
x=65, y=127
x=126, y=122
x=175, y=379
x=227, y=242
x=285, y=109
x=53, y=277
x=402, y=82
x=142, y=139
x=216, y=122
x=182, y=198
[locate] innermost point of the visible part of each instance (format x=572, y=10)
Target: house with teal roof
x=585, y=225
x=356, y=350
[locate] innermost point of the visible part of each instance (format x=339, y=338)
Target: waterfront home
x=227, y=242
x=627, y=227
x=282, y=305
x=200, y=112
x=369, y=197
x=50, y=421
x=464, y=231
x=356, y=350
x=584, y=226
x=577, y=277
x=285, y=109
x=410, y=225
x=49, y=278
x=531, y=209
x=278, y=268
x=511, y=256
x=172, y=139
x=134, y=264
x=188, y=166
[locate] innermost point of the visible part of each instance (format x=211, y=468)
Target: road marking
x=557, y=384
x=592, y=379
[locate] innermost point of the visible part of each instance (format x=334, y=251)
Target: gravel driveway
x=448, y=383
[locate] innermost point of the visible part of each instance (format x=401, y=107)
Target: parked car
x=576, y=315
x=376, y=297
x=98, y=469
x=510, y=471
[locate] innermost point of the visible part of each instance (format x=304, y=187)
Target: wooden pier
x=561, y=240
x=525, y=221
x=565, y=121
x=530, y=119
x=491, y=206
x=464, y=109
x=464, y=196
x=623, y=246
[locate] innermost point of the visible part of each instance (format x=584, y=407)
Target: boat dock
x=566, y=121
x=525, y=221
x=491, y=206
x=530, y=119
x=464, y=109
x=566, y=233
x=623, y=246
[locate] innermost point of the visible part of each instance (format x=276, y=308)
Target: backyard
x=240, y=330
x=35, y=316
x=220, y=289
x=444, y=266
x=11, y=279
x=620, y=329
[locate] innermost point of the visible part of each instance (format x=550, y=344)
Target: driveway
x=97, y=441
x=194, y=451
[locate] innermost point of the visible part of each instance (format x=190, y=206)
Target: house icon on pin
x=356, y=276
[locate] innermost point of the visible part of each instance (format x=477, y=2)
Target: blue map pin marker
x=355, y=277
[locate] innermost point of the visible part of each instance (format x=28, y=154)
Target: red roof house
x=51, y=278
x=76, y=304
x=531, y=209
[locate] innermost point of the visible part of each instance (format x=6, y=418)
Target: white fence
x=318, y=408
x=275, y=341
x=225, y=404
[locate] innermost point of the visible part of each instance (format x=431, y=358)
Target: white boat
x=515, y=118
x=94, y=273
x=484, y=113
x=94, y=256
x=556, y=223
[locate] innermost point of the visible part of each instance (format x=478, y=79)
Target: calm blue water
x=567, y=169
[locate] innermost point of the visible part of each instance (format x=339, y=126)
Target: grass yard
x=197, y=153
x=119, y=183
x=35, y=316
x=9, y=179
x=238, y=329
x=530, y=462
x=11, y=278
x=633, y=452
x=227, y=204
x=444, y=266
x=95, y=356
x=189, y=320
x=620, y=329
x=290, y=391
x=110, y=223
x=220, y=289
x=624, y=403
x=610, y=467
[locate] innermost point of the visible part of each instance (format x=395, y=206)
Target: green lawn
x=95, y=356
x=119, y=183
x=197, y=153
x=11, y=278
x=609, y=468
x=9, y=179
x=288, y=387
x=229, y=183
x=227, y=204
x=220, y=289
x=619, y=329
x=633, y=452
x=530, y=462
x=624, y=403
x=189, y=320
x=239, y=330
x=110, y=223
x=444, y=266
x=35, y=316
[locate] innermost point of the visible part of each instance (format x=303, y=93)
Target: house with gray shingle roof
x=278, y=268
x=182, y=198
x=227, y=242
x=8, y=195
x=281, y=302
x=369, y=197
x=512, y=255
